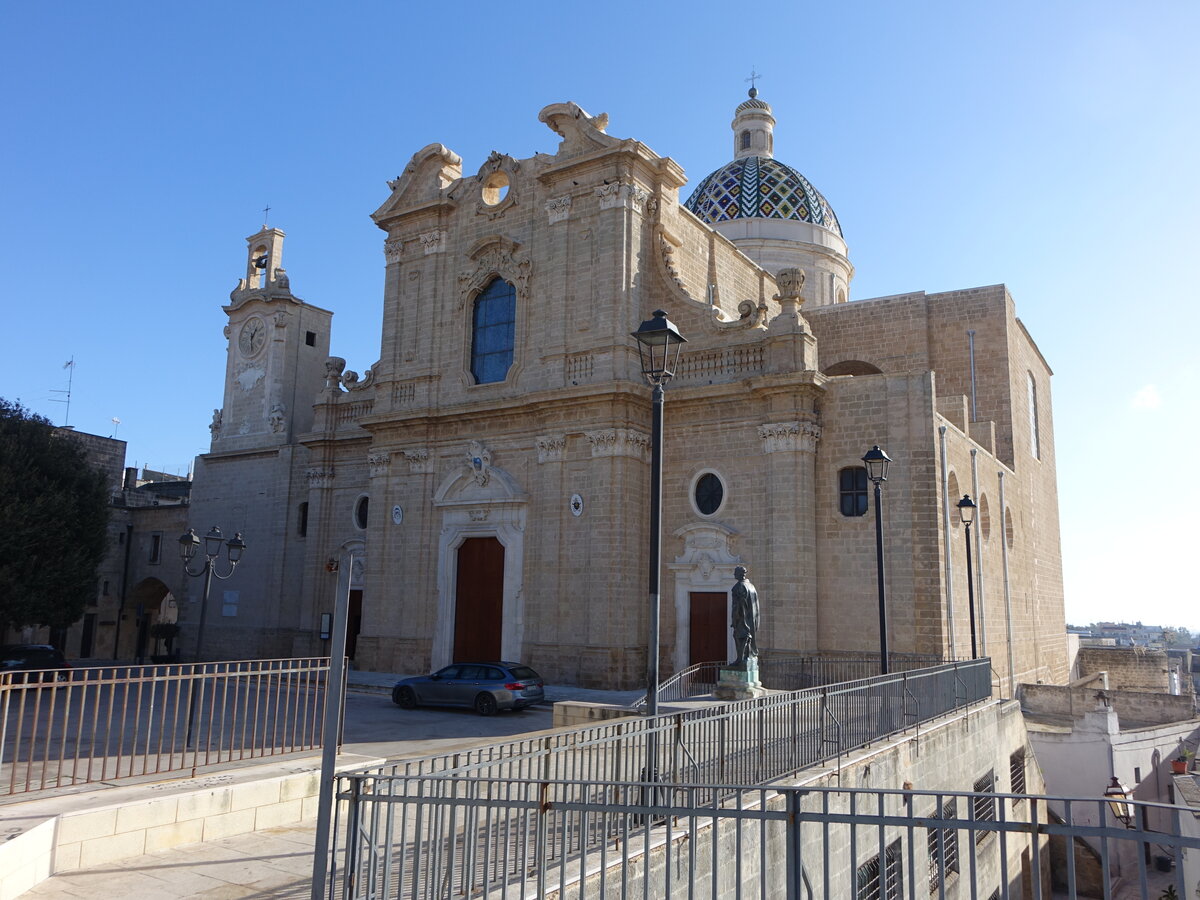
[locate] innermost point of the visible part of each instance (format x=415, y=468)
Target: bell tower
x=264, y=259
x=277, y=346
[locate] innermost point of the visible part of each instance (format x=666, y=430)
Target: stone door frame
x=480, y=502
x=705, y=565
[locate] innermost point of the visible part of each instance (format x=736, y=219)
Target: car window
x=524, y=672
x=474, y=673
x=491, y=673
x=448, y=672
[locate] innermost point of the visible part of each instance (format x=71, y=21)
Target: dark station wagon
x=486, y=687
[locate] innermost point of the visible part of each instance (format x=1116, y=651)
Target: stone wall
x=1128, y=668
x=1140, y=707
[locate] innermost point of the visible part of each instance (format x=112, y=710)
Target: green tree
x=53, y=518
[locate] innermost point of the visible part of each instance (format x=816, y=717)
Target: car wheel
x=485, y=704
x=404, y=697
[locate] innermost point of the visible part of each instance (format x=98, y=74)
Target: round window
x=495, y=189
x=360, y=512
x=709, y=493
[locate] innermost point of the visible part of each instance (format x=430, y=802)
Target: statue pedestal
x=739, y=681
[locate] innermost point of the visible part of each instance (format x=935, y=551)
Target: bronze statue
x=745, y=617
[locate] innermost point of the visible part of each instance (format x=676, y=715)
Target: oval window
x=709, y=493
x=360, y=512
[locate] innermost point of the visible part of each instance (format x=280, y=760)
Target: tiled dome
x=760, y=187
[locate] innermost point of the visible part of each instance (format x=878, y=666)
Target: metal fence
x=747, y=742
x=439, y=837
x=789, y=673
x=99, y=724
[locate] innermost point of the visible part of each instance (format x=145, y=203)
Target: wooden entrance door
x=479, y=600
x=708, y=630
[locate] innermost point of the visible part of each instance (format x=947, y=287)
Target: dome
x=753, y=103
x=760, y=187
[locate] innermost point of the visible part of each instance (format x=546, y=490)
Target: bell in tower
x=264, y=271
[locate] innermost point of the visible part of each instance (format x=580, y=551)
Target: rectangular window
x=310, y=338
x=1034, y=443
x=852, y=490
x=984, y=804
x=155, y=547
x=302, y=524
x=104, y=590
x=943, y=847
x=888, y=884
x=1016, y=772
x=120, y=539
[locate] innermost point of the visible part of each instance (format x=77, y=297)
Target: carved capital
x=551, y=447
x=619, y=442
x=433, y=242
x=319, y=477
x=379, y=463
x=393, y=249
x=629, y=196
x=558, y=209
x=418, y=460
x=781, y=437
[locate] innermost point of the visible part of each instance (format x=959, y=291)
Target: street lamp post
x=877, y=463
x=966, y=512
x=188, y=545
x=659, y=344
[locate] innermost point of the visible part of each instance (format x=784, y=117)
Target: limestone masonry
x=481, y=490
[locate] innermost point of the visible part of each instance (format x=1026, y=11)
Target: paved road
x=278, y=863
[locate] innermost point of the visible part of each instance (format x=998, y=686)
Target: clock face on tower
x=252, y=336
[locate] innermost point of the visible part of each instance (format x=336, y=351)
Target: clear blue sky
x=1049, y=146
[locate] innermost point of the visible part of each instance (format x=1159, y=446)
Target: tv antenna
x=70, y=365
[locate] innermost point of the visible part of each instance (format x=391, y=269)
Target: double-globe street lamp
x=188, y=545
x=966, y=512
x=659, y=344
x=877, y=463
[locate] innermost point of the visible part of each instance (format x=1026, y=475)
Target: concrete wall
x=950, y=756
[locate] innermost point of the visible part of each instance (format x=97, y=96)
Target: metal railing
x=437, y=837
x=747, y=742
x=789, y=673
x=99, y=724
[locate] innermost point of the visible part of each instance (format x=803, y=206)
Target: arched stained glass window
x=493, y=331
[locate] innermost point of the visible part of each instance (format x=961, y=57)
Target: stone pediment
x=432, y=168
x=477, y=481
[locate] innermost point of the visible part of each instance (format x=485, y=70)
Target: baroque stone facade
x=506, y=514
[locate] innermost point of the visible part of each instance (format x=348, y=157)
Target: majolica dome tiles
x=760, y=187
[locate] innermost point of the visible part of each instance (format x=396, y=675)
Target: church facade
x=482, y=490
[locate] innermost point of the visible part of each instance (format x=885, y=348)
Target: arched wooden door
x=479, y=600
